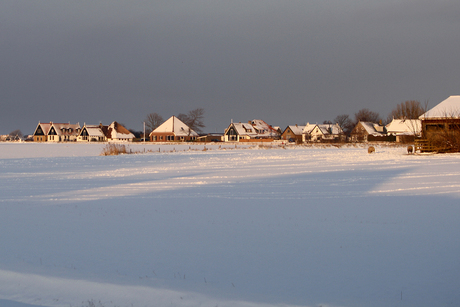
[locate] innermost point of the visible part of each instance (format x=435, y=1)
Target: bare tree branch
x=410, y=109
x=344, y=122
x=194, y=119
x=365, y=115
x=152, y=121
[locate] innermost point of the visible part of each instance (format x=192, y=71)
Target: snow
x=180, y=226
x=448, y=108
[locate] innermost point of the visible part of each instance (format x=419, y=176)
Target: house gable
x=293, y=133
x=41, y=132
x=173, y=129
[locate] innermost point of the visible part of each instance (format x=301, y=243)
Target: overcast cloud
x=286, y=62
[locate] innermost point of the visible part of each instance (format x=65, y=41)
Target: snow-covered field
x=180, y=226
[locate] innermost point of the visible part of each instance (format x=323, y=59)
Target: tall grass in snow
x=114, y=150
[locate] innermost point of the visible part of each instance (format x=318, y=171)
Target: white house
x=116, y=132
x=94, y=133
x=56, y=132
x=404, y=129
x=62, y=132
x=322, y=132
x=255, y=129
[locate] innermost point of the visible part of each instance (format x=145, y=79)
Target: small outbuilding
x=405, y=130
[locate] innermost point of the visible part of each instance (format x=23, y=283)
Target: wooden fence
x=424, y=145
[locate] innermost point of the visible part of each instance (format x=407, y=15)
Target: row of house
x=66, y=132
x=173, y=129
x=313, y=133
x=10, y=138
x=258, y=130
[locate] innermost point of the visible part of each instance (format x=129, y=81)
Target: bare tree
x=16, y=133
x=153, y=120
x=344, y=122
x=194, y=119
x=365, y=115
x=410, y=109
x=183, y=117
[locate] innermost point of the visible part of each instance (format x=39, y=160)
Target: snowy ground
x=179, y=226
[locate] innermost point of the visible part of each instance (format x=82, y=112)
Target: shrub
x=113, y=150
x=444, y=140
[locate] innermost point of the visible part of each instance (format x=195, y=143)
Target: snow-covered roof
x=330, y=129
x=262, y=127
x=296, y=129
x=45, y=127
x=325, y=129
x=371, y=128
x=176, y=126
x=244, y=129
x=254, y=128
x=115, y=131
x=404, y=126
x=449, y=108
x=94, y=131
x=66, y=128
x=308, y=128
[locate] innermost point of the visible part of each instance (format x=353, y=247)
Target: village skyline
x=346, y=121
x=283, y=62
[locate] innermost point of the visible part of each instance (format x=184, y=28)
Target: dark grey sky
x=286, y=62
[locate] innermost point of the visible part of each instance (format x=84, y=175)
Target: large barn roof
x=175, y=125
x=449, y=108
